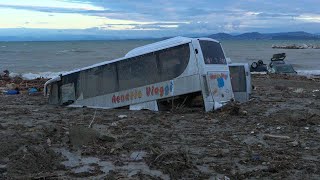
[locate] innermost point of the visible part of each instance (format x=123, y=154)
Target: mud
x=275, y=135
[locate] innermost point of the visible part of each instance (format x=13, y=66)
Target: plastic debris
x=122, y=116
x=32, y=90
x=11, y=92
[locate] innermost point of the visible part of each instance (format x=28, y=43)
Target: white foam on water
x=48, y=75
x=308, y=73
x=30, y=76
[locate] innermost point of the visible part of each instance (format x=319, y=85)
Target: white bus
x=148, y=75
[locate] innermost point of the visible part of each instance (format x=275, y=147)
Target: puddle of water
x=73, y=158
x=136, y=167
x=106, y=167
x=82, y=169
x=90, y=160
x=80, y=164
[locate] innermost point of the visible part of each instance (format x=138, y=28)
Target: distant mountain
x=295, y=36
x=252, y=35
x=270, y=36
x=24, y=34
x=221, y=36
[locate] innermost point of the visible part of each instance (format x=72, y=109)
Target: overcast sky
x=162, y=17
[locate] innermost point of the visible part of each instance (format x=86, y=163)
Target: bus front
x=215, y=74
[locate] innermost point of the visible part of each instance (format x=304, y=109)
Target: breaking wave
x=30, y=76
x=48, y=75
x=308, y=73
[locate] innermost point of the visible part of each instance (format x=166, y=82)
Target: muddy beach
x=274, y=136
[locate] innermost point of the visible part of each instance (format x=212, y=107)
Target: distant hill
x=268, y=36
x=221, y=36
x=24, y=34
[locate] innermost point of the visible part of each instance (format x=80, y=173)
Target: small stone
x=3, y=168
x=49, y=142
x=299, y=90
x=306, y=128
x=278, y=128
x=244, y=113
x=294, y=143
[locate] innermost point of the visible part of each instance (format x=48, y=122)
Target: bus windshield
x=212, y=52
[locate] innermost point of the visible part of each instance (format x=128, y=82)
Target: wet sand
x=276, y=135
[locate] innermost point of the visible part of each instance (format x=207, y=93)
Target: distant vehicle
x=276, y=66
x=149, y=75
x=258, y=67
x=279, y=66
x=240, y=81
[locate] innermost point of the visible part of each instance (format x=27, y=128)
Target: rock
x=107, y=138
x=49, y=142
x=244, y=113
x=299, y=90
x=3, y=169
x=294, y=143
x=80, y=135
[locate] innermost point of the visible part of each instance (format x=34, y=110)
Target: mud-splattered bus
x=149, y=75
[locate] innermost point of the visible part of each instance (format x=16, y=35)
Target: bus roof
x=176, y=41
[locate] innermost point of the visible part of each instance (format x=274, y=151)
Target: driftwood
x=276, y=136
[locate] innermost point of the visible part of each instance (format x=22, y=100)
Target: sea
x=49, y=59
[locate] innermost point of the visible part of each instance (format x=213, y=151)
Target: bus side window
x=138, y=71
x=174, y=61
